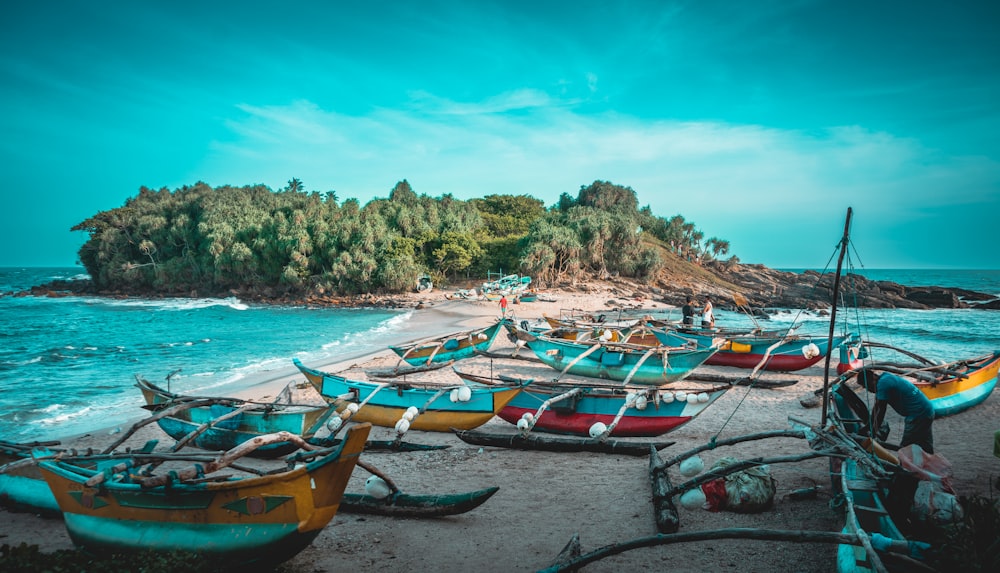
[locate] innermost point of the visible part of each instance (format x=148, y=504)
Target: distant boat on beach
x=453, y=346
x=223, y=423
x=405, y=405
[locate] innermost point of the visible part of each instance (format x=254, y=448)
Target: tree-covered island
x=264, y=244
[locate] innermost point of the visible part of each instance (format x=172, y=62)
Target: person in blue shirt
x=907, y=400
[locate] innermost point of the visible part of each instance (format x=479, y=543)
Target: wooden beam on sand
x=571, y=559
x=554, y=444
x=664, y=509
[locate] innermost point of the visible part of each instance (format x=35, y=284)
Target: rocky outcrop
x=768, y=288
x=762, y=288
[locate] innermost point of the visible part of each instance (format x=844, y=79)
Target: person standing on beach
x=907, y=400
x=707, y=316
x=503, y=306
x=687, y=311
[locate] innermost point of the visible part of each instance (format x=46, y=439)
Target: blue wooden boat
x=454, y=346
x=962, y=386
x=23, y=489
x=627, y=363
x=429, y=407
x=864, y=479
x=575, y=410
x=952, y=388
x=220, y=424
x=256, y=521
x=770, y=351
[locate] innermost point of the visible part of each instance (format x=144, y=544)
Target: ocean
x=67, y=365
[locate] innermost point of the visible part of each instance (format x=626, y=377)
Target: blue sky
x=760, y=122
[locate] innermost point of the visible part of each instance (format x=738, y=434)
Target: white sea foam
x=62, y=415
x=172, y=304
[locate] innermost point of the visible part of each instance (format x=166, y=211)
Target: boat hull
x=256, y=521
x=871, y=516
x=603, y=405
x=23, y=489
x=226, y=434
x=649, y=366
x=749, y=351
x=959, y=394
x=385, y=405
x=454, y=347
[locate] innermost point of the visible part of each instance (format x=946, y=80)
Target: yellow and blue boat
x=257, y=521
x=435, y=407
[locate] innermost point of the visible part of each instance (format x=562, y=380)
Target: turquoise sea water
x=67, y=365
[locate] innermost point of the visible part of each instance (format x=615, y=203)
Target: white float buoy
x=464, y=394
x=667, y=397
x=402, y=426
x=640, y=402
x=522, y=424
x=692, y=466
x=334, y=423
x=528, y=416
x=693, y=498
x=692, y=398
x=681, y=396
x=810, y=350
x=702, y=397
x=453, y=395
x=377, y=488
x=598, y=429
x=353, y=407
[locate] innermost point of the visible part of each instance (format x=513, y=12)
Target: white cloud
x=716, y=174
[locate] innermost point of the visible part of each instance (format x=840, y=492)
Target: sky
x=760, y=122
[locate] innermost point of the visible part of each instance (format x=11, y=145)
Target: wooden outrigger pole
x=833, y=314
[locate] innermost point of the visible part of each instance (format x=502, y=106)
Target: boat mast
x=833, y=313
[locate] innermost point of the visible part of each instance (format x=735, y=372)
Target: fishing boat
x=627, y=363
x=961, y=385
x=767, y=351
x=513, y=284
x=220, y=424
x=255, y=521
x=23, y=489
x=430, y=407
x=528, y=296
x=952, y=387
x=866, y=476
x=595, y=409
x=454, y=346
x=864, y=471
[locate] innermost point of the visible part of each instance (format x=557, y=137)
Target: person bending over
x=907, y=400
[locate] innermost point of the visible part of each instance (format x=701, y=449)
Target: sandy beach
x=546, y=498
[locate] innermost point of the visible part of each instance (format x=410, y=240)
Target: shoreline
x=545, y=498
x=433, y=318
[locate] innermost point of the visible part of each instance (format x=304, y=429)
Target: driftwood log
x=225, y=460
x=554, y=444
x=664, y=509
x=398, y=371
x=571, y=559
